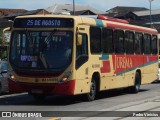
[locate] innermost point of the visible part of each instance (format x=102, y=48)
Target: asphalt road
x=74, y=108
x=106, y=101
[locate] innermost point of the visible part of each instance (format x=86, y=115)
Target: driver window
x=82, y=51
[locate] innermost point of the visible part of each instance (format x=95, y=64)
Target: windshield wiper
x=47, y=40
x=44, y=45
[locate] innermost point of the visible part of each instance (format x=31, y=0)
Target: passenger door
x=82, y=65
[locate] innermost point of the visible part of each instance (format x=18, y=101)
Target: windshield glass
x=41, y=49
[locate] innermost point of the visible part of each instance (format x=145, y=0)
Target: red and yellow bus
x=72, y=55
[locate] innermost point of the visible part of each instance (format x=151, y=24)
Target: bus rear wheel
x=93, y=89
x=136, y=87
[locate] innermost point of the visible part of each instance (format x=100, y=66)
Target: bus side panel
x=124, y=67
x=108, y=79
x=136, y=64
x=83, y=77
x=150, y=69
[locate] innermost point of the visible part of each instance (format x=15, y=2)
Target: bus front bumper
x=66, y=88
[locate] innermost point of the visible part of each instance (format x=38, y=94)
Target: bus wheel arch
x=94, y=86
x=137, y=82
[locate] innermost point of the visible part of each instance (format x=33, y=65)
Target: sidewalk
x=140, y=110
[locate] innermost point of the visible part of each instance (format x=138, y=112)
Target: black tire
x=136, y=87
x=93, y=90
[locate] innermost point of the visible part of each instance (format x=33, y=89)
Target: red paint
x=14, y=87
x=122, y=63
x=66, y=88
x=38, y=74
x=131, y=27
x=106, y=67
x=112, y=19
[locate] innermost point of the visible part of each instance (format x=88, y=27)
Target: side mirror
x=79, y=40
x=7, y=29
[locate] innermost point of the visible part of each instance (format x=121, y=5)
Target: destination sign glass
x=43, y=22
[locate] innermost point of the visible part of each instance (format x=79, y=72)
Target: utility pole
x=73, y=7
x=150, y=1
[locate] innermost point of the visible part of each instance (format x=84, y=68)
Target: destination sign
x=43, y=22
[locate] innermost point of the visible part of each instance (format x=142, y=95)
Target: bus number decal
x=29, y=22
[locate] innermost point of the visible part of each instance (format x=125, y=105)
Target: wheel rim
x=92, y=94
x=137, y=86
x=92, y=91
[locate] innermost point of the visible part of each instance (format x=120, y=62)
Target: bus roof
x=110, y=23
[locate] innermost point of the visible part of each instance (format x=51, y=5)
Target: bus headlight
x=11, y=77
x=66, y=77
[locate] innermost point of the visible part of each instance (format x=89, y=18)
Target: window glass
x=82, y=52
x=119, y=41
x=41, y=49
x=154, y=44
x=3, y=66
x=95, y=38
x=82, y=49
x=129, y=38
x=147, y=43
x=138, y=43
x=107, y=41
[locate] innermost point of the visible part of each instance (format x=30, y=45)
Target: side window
x=82, y=52
x=138, y=43
x=95, y=38
x=129, y=38
x=118, y=36
x=107, y=40
x=154, y=44
x=147, y=44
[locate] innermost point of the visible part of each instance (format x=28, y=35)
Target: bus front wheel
x=93, y=88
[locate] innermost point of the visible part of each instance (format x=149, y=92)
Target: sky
x=102, y=5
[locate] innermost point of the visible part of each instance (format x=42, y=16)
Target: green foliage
x=3, y=52
x=1, y=32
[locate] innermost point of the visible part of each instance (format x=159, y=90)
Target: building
x=83, y=12
x=32, y=12
x=123, y=11
x=79, y=9
x=154, y=21
x=8, y=15
x=137, y=16
x=5, y=12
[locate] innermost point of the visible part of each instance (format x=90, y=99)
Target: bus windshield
x=41, y=49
